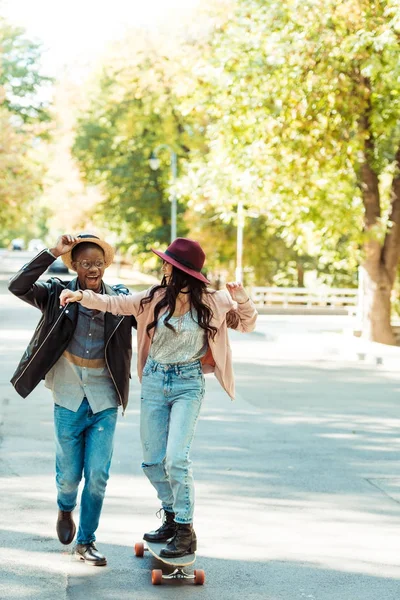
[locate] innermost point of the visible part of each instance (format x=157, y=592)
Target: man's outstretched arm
x=24, y=284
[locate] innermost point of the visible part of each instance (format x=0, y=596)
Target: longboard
x=179, y=563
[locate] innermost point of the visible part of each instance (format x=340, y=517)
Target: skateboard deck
x=157, y=575
x=183, y=561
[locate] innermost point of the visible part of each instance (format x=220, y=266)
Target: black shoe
x=65, y=527
x=166, y=531
x=90, y=554
x=184, y=542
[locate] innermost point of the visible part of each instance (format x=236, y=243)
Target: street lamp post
x=239, y=243
x=155, y=164
x=244, y=183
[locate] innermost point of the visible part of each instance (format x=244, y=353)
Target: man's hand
x=64, y=244
x=237, y=292
x=68, y=296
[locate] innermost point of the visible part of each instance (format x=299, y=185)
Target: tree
x=24, y=121
x=303, y=107
x=20, y=76
x=20, y=179
x=135, y=107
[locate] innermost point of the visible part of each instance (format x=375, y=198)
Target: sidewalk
x=297, y=481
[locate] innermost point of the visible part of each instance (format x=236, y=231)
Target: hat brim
x=178, y=265
x=108, y=250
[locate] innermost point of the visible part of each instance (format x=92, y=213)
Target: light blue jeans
x=171, y=400
x=84, y=445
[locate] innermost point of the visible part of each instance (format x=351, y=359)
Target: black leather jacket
x=57, y=326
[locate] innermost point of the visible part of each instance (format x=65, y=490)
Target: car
x=36, y=245
x=17, y=244
x=58, y=267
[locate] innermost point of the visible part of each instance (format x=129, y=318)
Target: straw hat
x=90, y=237
x=186, y=255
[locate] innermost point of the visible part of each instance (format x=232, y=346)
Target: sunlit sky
x=76, y=32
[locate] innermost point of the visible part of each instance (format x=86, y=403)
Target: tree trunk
x=300, y=275
x=376, y=291
x=377, y=284
x=381, y=260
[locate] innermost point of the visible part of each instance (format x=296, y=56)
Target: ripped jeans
x=84, y=445
x=170, y=405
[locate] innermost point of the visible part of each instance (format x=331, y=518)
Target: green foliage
x=20, y=183
x=135, y=109
x=23, y=123
x=20, y=77
x=292, y=90
x=273, y=108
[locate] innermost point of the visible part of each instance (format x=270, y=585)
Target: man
x=84, y=357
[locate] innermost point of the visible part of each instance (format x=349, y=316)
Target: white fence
x=333, y=298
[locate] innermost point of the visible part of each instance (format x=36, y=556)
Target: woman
x=181, y=334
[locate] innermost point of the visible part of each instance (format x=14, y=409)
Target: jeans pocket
x=190, y=375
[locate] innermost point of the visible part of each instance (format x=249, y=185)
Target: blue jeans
x=84, y=444
x=171, y=402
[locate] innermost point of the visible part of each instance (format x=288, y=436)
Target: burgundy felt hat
x=186, y=255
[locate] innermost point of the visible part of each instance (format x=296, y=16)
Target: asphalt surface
x=297, y=481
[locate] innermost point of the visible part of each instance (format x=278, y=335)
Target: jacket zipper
x=109, y=370
x=41, y=345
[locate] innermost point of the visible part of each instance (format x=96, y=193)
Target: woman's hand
x=237, y=292
x=68, y=296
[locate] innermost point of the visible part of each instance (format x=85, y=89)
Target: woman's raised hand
x=237, y=292
x=68, y=296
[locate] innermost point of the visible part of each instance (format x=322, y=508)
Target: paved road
x=298, y=480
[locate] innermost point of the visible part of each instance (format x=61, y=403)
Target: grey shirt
x=81, y=371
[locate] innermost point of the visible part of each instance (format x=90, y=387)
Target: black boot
x=184, y=542
x=165, y=532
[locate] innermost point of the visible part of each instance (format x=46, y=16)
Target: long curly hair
x=177, y=282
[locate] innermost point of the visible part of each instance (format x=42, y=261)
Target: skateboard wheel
x=199, y=576
x=156, y=577
x=139, y=549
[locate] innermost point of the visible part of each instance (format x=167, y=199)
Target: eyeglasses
x=86, y=264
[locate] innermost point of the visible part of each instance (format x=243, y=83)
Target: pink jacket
x=219, y=357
